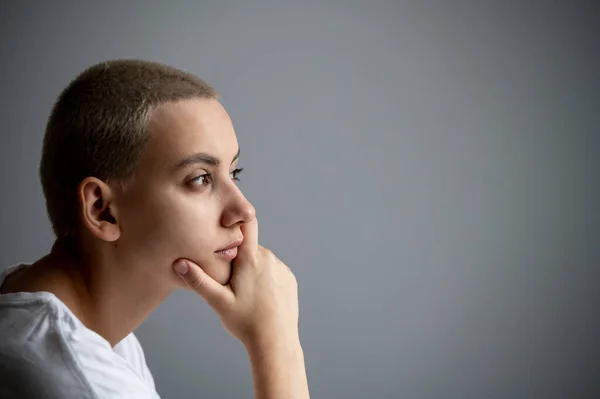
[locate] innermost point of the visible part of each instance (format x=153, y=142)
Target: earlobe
x=98, y=209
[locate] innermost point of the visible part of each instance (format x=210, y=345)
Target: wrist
x=281, y=346
x=278, y=369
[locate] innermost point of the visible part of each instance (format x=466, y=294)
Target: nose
x=237, y=209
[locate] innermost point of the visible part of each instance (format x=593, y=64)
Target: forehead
x=183, y=128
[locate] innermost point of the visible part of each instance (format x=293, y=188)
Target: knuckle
x=219, y=303
x=252, y=259
x=270, y=256
x=262, y=256
x=196, y=282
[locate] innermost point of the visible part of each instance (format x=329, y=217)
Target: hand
x=259, y=305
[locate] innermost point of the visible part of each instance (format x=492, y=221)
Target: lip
x=228, y=254
x=234, y=244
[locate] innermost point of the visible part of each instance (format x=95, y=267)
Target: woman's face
x=184, y=201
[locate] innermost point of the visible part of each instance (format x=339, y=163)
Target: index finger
x=250, y=244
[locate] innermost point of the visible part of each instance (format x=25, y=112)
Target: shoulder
x=48, y=353
x=34, y=361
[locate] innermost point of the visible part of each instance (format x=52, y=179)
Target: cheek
x=168, y=228
x=159, y=232
x=195, y=237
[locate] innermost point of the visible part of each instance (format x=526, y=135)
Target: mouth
x=230, y=251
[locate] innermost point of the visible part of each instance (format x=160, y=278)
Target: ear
x=98, y=209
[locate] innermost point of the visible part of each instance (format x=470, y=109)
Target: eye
x=202, y=180
x=234, y=174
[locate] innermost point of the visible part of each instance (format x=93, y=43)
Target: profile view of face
x=184, y=201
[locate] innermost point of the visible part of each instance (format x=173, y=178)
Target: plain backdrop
x=429, y=170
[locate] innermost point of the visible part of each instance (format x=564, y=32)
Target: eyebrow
x=202, y=157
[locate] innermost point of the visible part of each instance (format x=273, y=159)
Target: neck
x=108, y=296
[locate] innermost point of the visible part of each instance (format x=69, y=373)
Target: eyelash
x=235, y=177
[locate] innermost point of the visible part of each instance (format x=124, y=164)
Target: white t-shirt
x=46, y=352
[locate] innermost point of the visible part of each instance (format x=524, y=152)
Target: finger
x=250, y=244
x=213, y=293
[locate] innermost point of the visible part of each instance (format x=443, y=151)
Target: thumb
x=213, y=293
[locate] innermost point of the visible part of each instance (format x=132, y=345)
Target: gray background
x=429, y=170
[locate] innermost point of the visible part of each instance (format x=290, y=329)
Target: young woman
x=139, y=170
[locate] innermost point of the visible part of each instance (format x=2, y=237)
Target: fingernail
x=181, y=267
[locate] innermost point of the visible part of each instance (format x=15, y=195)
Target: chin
x=221, y=273
x=218, y=270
